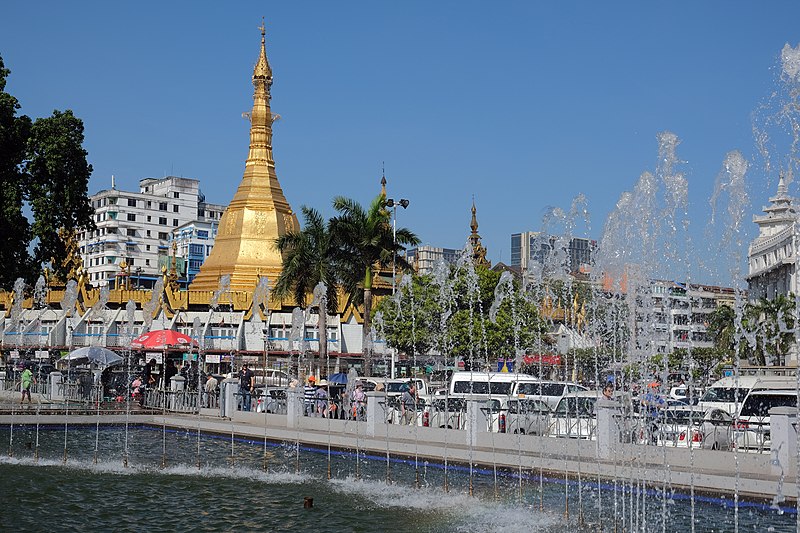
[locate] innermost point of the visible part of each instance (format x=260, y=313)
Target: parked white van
x=468, y=383
x=729, y=394
x=549, y=392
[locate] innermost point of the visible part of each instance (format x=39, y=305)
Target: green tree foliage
x=366, y=238
x=44, y=166
x=769, y=329
x=722, y=328
x=15, y=231
x=471, y=334
x=310, y=257
x=59, y=180
x=412, y=317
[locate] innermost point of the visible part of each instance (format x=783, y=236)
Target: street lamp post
x=390, y=202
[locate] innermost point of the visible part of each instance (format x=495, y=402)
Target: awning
x=535, y=359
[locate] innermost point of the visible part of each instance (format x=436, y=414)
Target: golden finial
x=262, y=70
x=383, y=180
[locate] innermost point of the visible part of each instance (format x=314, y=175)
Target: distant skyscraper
x=534, y=248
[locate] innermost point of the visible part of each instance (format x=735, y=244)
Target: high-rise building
x=136, y=228
x=536, y=249
x=424, y=258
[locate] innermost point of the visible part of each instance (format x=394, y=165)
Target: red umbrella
x=162, y=339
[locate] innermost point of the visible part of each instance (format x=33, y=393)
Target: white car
x=450, y=413
x=752, y=429
x=575, y=417
x=528, y=417
x=695, y=427
x=272, y=400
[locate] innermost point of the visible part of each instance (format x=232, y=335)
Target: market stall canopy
x=162, y=339
x=97, y=355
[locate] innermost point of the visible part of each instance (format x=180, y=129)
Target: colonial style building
x=772, y=257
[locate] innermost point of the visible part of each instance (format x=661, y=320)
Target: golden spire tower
x=259, y=213
x=478, y=251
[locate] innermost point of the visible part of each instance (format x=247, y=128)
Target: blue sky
x=523, y=105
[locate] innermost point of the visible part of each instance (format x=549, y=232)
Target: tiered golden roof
x=259, y=213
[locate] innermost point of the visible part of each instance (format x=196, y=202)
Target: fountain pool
x=238, y=493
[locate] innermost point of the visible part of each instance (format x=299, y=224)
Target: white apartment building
x=678, y=315
x=137, y=228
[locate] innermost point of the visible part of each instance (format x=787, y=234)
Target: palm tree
x=369, y=244
x=722, y=328
x=310, y=257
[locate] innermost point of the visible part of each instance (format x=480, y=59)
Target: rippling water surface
x=231, y=491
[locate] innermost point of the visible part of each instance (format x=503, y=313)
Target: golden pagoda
x=259, y=213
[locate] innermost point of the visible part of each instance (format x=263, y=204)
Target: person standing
x=211, y=390
x=245, y=386
x=170, y=370
x=358, y=402
x=608, y=391
x=308, y=396
x=408, y=405
x=321, y=396
x=26, y=380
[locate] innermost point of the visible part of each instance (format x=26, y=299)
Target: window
x=149, y=204
x=149, y=218
x=201, y=213
x=162, y=221
x=148, y=233
x=131, y=217
x=162, y=206
x=176, y=195
x=175, y=208
x=131, y=202
x=196, y=249
x=194, y=264
x=174, y=221
x=131, y=232
x=202, y=234
x=147, y=247
x=163, y=235
x=147, y=262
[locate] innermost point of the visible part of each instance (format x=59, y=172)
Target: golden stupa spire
x=383, y=182
x=478, y=251
x=259, y=213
